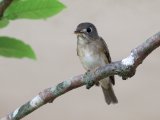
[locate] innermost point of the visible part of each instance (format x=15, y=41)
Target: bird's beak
x=77, y=32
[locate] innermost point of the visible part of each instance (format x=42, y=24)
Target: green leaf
x=33, y=9
x=4, y=23
x=11, y=47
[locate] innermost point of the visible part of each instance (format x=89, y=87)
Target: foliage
x=33, y=9
x=25, y=9
x=11, y=47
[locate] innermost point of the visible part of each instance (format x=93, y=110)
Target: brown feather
x=106, y=51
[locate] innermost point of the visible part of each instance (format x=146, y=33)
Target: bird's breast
x=90, y=54
x=92, y=59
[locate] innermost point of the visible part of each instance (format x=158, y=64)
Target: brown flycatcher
x=93, y=53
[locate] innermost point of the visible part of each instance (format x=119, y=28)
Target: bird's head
x=86, y=30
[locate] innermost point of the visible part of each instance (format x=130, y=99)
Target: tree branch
x=125, y=68
x=3, y=6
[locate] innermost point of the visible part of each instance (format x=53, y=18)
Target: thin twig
x=125, y=68
x=3, y=6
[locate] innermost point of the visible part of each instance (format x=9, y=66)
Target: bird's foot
x=89, y=84
x=88, y=80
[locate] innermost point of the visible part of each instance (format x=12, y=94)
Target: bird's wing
x=106, y=51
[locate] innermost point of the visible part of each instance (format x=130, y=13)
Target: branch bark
x=3, y=6
x=125, y=68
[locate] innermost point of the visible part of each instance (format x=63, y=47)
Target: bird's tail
x=109, y=95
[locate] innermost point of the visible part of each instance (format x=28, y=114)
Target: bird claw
x=89, y=82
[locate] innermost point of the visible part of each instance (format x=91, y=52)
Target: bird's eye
x=89, y=30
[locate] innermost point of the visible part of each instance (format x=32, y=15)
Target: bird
x=93, y=53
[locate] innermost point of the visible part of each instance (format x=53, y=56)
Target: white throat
x=81, y=40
